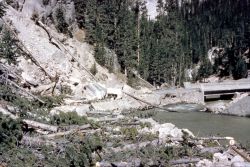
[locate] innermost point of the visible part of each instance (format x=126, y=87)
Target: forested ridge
x=162, y=49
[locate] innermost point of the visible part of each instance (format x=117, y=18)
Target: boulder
x=222, y=159
x=164, y=131
x=237, y=158
x=91, y=91
x=29, y=79
x=94, y=91
x=239, y=108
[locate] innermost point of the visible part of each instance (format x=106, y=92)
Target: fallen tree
x=38, y=125
x=59, y=134
x=146, y=102
x=184, y=161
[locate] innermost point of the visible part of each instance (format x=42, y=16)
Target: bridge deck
x=222, y=87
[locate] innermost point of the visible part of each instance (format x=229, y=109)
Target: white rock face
x=57, y=61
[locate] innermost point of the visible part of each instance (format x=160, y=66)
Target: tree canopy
x=162, y=49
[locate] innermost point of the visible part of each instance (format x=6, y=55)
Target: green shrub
x=9, y=48
x=66, y=90
x=99, y=54
x=130, y=133
x=70, y=118
x=10, y=133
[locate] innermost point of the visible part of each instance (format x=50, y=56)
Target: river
x=207, y=124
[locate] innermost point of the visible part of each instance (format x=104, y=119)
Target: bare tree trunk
x=138, y=39
x=150, y=104
x=184, y=161
x=39, y=125
x=13, y=83
x=59, y=134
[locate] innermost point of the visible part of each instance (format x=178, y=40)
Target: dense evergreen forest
x=162, y=49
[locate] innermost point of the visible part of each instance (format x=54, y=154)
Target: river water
x=206, y=124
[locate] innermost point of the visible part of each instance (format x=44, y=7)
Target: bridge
x=219, y=89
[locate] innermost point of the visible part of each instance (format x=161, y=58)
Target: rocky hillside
x=59, y=107
x=69, y=60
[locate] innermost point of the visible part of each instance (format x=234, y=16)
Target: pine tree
x=2, y=9
x=240, y=69
x=205, y=70
x=9, y=49
x=61, y=24
x=80, y=11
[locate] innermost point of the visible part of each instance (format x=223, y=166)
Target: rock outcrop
x=241, y=107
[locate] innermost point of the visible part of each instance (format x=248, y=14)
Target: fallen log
x=214, y=138
x=98, y=113
x=72, y=131
x=39, y=125
x=5, y=112
x=31, y=123
x=148, y=103
x=211, y=150
x=42, y=132
x=71, y=127
x=201, y=138
x=13, y=83
x=108, y=119
x=117, y=164
x=135, y=146
x=242, y=154
x=40, y=24
x=127, y=124
x=184, y=161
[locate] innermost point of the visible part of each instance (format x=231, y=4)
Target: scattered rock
x=204, y=163
x=240, y=164
x=80, y=110
x=164, y=131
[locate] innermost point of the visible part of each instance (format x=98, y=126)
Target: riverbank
x=238, y=106
x=127, y=138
